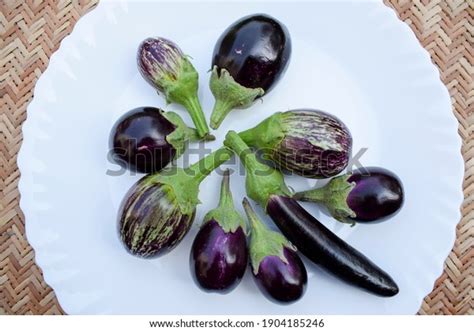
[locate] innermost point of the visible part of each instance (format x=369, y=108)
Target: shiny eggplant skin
x=138, y=140
x=255, y=50
x=377, y=194
x=150, y=221
x=323, y=247
x=282, y=282
x=218, y=258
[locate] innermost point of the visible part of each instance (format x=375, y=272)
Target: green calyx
x=225, y=214
x=183, y=90
x=266, y=135
x=182, y=134
x=261, y=180
x=229, y=95
x=184, y=183
x=263, y=241
x=333, y=196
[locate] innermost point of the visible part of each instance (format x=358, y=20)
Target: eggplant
x=365, y=195
x=307, y=142
x=278, y=270
x=158, y=210
x=266, y=186
x=219, y=252
x=164, y=66
x=249, y=59
x=146, y=139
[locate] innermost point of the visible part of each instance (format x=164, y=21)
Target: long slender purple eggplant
x=249, y=59
x=266, y=186
x=366, y=195
x=164, y=66
x=219, y=253
x=307, y=142
x=278, y=270
x=159, y=209
x=146, y=139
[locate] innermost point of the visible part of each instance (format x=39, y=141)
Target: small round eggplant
x=366, y=195
x=219, y=253
x=146, y=139
x=306, y=142
x=157, y=212
x=164, y=66
x=278, y=270
x=249, y=58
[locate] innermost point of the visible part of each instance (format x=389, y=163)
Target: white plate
x=355, y=60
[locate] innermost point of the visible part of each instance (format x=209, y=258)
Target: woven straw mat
x=32, y=30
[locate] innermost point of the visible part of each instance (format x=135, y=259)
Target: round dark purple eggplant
x=146, y=139
x=219, y=253
x=282, y=281
x=278, y=270
x=255, y=51
x=367, y=195
x=307, y=142
x=218, y=258
x=249, y=58
x=158, y=211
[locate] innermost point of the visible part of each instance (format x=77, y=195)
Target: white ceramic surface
x=353, y=59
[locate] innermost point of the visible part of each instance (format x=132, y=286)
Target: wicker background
x=31, y=30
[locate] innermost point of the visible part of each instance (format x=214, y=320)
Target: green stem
x=194, y=108
x=261, y=180
x=245, y=154
x=255, y=224
x=221, y=109
x=206, y=165
x=225, y=198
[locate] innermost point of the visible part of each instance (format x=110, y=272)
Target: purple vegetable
x=218, y=256
x=164, y=66
x=157, y=212
x=147, y=139
x=249, y=59
x=307, y=142
x=279, y=272
x=266, y=186
x=367, y=195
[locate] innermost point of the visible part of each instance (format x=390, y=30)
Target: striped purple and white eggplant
x=365, y=195
x=266, y=186
x=306, y=142
x=278, y=270
x=219, y=253
x=165, y=67
x=157, y=212
x=249, y=58
x=146, y=139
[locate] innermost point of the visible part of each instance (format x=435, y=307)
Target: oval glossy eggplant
x=146, y=139
x=367, y=195
x=266, y=186
x=219, y=253
x=218, y=258
x=157, y=212
x=278, y=270
x=306, y=142
x=164, y=66
x=249, y=58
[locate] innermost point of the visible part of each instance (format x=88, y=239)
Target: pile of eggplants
x=266, y=186
x=157, y=212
